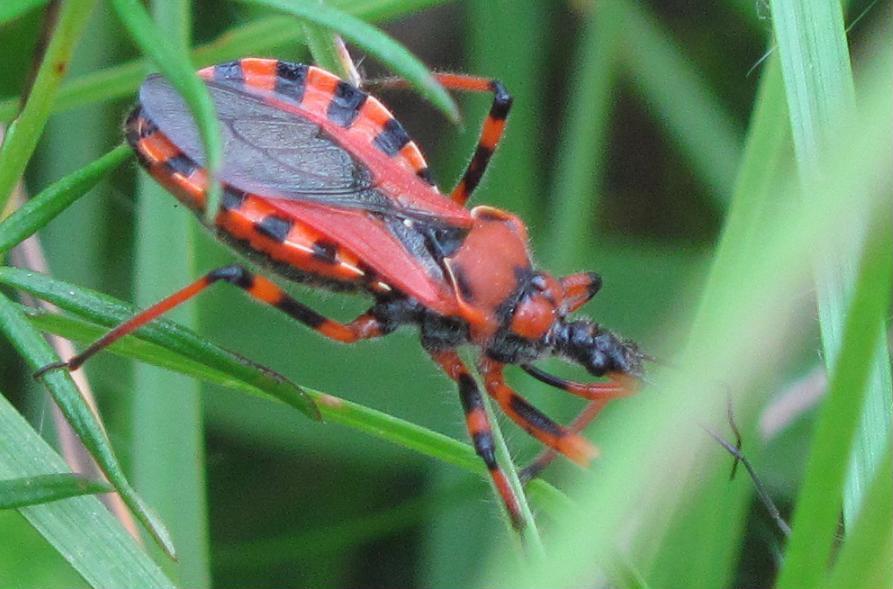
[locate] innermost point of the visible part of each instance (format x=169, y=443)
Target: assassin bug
x=323, y=185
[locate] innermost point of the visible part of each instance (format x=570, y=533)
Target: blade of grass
x=375, y=42
x=818, y=506
x=35, y=490
x=167, y=446
x=166, y=344
x=175, y=65
x=108, y=311
x=81, y=529
x=864, y=559
x=37, y=354
x=256, y=37
x=11, y=10
x=584, y=136
x=23, y=134
x=692, y=114
x=330, y=53
x=815, y=63
x=640, y=473
x=55, y=198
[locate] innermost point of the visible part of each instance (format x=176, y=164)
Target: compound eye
x=539, y=282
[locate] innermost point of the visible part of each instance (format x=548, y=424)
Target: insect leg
x=620, y=385
x=479, y=428
x=534, y=422
x=491, y=132
x=262, y=289
x=545, y=458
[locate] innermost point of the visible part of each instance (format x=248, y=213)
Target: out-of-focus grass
x=618, y=107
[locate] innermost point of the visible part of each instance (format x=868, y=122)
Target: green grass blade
x=81, y=529
x=376, y=43
x=177, y=68
x=23, y=134
x=584, y=137
x=11, y=10
x=166, y=433
x=256, y=37
x=35, y=490
x=864, y=559
x=108, y=311
x=692, y=114
x=815, y=62
x=166, y=344
x=54, y=199
x=38, y=354
x=816, y=515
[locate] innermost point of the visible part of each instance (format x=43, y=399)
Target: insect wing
x=276, y=150
x=373, y=242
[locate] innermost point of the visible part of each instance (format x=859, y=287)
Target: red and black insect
x=321, y=184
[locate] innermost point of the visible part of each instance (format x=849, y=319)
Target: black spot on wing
x=291, y=80
x=181, y=164
x=392, y=138
x=345, y=104
x=325, y=251
x=229, y=73
x=274, y=227
x=425, y=175
x=233, y=198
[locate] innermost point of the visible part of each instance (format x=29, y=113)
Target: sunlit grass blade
x=11, y=10
x=812, y=47
x=52, y=200
x=864, y=559
x=641, y=474
x=23, y=134
x=818, y=507
x=177, y=68
x=690, y=110
x=584, y=136
x=37, y=353
x=25, y=491
x=108, y=311
x=254, y=38
x=163, y=348
x=373, y=41
x=80, y=528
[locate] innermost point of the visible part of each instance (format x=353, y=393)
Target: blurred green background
x=621, y=155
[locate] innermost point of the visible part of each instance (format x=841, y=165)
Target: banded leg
x=579, y=289
x=545, y=458
x=479, y=428
x=491, y=131
x=534, y=422
x=598, y=393
x=363, y=327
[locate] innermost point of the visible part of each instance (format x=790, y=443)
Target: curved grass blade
x=23, y=134
x=108, y=311
x=11, y=10
x=864, y=559
x=54, y=199
x=817, y=511
x=259, y=36
x=25, y=491
x=376, y=43
x=812, y=47
x=168, y=345
x=37, y=353
x=177, y=68
x=80, y=528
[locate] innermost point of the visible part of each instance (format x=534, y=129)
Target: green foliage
x=635, y=148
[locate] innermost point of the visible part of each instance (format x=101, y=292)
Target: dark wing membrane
x=266, y=150
x=394, y=260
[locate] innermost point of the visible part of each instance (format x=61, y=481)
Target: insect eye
x=538, y=282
